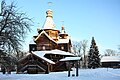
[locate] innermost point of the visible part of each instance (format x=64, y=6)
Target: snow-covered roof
x=63, y=41
x=43, y=32
x=70, y=58
x=59, y=52
x=56, y=51
x=110, y=59
x=41, y=55
x=49, y=23
x=60, y=41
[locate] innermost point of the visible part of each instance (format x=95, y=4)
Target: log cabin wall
x=63, y=47
x=53, y=34
x=44, y=43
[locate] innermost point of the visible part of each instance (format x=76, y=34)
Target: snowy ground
x=84, y=74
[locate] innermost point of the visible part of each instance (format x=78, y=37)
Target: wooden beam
x=76, y=68
x=69, y=67
x=48, y=69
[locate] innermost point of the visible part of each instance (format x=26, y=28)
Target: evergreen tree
x=93, y=56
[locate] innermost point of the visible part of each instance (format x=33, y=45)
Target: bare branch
x=13, y=27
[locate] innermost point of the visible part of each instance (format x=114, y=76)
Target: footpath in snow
x=84, y=74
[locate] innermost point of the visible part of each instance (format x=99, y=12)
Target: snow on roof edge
x=70, y=59
x=110, y=59
x=41, y=55
x=60, y=52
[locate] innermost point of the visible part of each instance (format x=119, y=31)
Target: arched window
x=62, y=47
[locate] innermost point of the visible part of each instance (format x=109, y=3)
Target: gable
x=43, y=36
x=36, y=56
x=43, y=39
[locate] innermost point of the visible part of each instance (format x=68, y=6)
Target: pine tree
x=93, y=55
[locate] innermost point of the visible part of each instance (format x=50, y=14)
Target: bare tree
x=109, y=52
x=13, y=27
x=84, y=47
x=119, y=48
x=19, y=54
x=77, y=48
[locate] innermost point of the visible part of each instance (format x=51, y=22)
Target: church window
x=43, y=47
x=33, y=48
x=62, y=47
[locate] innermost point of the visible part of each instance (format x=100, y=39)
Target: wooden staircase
x=32, y=67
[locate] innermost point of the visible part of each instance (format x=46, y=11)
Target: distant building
x=46, y=50
x=110, y=61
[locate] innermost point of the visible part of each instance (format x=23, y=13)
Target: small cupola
x=63, y=34
x=63, y=30
x=49, y=13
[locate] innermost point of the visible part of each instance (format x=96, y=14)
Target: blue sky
x=83, y=19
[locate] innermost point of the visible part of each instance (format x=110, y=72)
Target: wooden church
x=46, y=50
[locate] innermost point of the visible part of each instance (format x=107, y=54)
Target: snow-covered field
x=84, y=74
